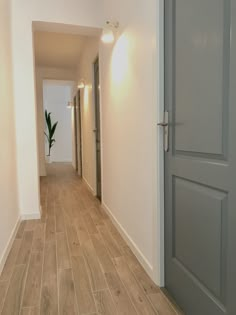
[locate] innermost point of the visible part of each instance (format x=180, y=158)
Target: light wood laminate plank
x=120, y=296
x=25, y=249
x=39, y=237
x=138, y=297
x=63, y=258
x=67, y=301
x=94, y=269
x=10, y=262
x=104, y=302
x=3, y=291
x=33, y=281
x=15, y=291
x=49, y=293
x=83, y=289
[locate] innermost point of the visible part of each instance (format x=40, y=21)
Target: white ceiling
x=66, y=28
x=60, y=45
x=57, y=50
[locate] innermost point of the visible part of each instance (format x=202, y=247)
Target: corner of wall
x=9, y=244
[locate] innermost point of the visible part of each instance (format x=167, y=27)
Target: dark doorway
x=75, y=134
x=97, y=129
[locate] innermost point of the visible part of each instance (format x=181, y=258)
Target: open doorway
x=74, y=61
x=57, y=97
x=77, y=133
x=97, y=129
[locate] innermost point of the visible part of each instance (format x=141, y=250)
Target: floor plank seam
x=75, y=297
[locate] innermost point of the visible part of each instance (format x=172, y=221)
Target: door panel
x=201, y=46
x=200, y=207
x=200, y=167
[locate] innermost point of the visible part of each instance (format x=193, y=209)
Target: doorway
x=200, y=157
x=75, y=132
x=78, y=133
x=97, y=129
x=56, y=94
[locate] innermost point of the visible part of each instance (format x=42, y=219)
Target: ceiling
x=66, y=28
x=57, y=49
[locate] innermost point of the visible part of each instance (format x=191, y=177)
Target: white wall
x=129, y=130
x=56, y=96
x=129, y=113
x=9, y=213
x=86, y=72
x=77, y=12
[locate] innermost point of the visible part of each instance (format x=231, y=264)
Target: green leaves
x=51, y=131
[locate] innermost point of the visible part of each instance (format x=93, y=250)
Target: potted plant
x=51, y=128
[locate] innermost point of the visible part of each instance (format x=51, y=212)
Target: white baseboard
x=136, y=251
x=9, y=245
x=31, y=216
x=88, y=186
x=62, y=161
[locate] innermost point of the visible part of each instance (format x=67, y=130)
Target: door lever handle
x=162, y=124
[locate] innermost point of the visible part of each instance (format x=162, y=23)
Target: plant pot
x=48, y=159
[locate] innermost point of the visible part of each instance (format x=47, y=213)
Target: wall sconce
x=69, y=105
x=81, y=84
x=108, y=32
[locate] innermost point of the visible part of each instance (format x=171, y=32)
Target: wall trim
x=159, y=239
x=61, y=161
x=88, y=186
x=133, y=246
x=31, y=216
x=9, y=244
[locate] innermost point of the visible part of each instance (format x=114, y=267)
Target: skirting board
x=31, y=216
x=136, y=251
x=9, y=245
x=88, y=186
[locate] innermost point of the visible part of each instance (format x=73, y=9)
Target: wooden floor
x=74, y=261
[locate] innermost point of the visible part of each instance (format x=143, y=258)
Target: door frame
x=75, y=131
x=159, y=240
x=96, y=60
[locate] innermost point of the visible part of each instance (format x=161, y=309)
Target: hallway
x=73, y=260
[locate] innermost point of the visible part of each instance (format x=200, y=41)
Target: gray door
x=97, y=129
x=200, y=166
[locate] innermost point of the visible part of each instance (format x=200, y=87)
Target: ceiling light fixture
x=108, y=33
x=81, y=84
x=70, y=105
